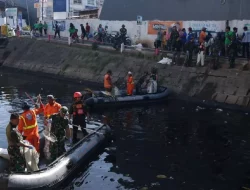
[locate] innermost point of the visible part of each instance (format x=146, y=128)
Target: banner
x=36, y=5
x=20, y=19
x=61, y=24
x=139, y=20
x=212, y=26
x=11, y=12
x=154, y=26
x=59, y=6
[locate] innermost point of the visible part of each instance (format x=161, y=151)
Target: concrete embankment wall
x=230, y=86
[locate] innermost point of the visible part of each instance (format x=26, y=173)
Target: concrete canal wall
x=231, y=86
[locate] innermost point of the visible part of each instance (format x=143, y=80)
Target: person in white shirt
x=245, y=42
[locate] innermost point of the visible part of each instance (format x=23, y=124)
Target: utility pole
x=42, y=9
x=28, y=13
x=5, y=11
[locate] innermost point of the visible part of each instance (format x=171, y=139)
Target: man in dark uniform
x=123, y=32
x=232, y=48
x=15, y=141
x=216, y=51
x=79, y=111
x=140, y=83
x=59, y=127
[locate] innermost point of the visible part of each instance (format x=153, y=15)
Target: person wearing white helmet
x=130, y=84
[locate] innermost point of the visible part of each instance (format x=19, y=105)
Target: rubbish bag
x=165, y=60
x=152, y=87
x=115, y=91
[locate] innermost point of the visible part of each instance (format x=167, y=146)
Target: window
x=91, y=2
x=77, y=1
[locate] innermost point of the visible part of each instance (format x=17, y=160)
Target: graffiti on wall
x=154, y=26
x=212, y=26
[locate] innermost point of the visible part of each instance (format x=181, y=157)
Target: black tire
x=128, y=42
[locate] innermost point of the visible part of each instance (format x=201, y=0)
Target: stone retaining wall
x=231, y=86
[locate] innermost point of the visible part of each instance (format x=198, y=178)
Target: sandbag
x=31, y=157
x=4, y=153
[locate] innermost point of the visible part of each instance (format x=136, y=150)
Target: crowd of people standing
x=223, y=43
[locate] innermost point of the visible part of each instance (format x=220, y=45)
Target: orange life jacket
x=28, y=123
x=130, y=81
x=107, y=81
x=51, y=110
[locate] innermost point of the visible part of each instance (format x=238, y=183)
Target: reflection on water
x=176, y=146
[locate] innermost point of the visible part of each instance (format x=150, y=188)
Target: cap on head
x=51, y=97
x=14, y=116
x=64, y=110
x=129, y=73
x=109, y=72
x=25, y=106
x=77, y=95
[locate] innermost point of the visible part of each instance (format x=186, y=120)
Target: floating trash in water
x=155, y=184
x=246, y=113
x=199, y=108
x=171, y=177
x=225, y=121
x=144, y=188
x=183, y=108
x=219, y=110
x=161, y=176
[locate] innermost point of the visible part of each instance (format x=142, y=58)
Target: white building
x=74, y=8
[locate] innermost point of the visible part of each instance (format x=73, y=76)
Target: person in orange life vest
x=28, y=124
x=52, y=107
x=108, y=81
x=79, y=111
x=130, y=84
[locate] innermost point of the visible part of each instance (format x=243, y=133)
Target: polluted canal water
x=175, y=145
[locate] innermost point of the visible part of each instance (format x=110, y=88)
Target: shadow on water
x=176, y=146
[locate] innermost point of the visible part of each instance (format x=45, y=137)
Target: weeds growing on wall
x=95, y=46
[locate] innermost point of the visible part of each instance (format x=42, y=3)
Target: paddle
x=30, y=98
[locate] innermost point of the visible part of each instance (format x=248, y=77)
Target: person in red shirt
x=87, y=28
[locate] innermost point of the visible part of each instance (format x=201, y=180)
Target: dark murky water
x=174, y=146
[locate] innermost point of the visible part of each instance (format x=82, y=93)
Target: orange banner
x=154, y=26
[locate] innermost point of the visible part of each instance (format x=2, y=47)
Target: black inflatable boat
x=102, y=99
x=54, y=174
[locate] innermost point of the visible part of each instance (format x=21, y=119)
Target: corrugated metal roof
x=175, y=10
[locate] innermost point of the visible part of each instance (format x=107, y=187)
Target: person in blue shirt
x=190, y=34
x=183, y=37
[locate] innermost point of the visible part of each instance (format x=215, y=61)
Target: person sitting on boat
x=152, y=84
x=79, y=111
x=52, y=107
x=140, y=82
x=15, y=141
x=28, y=124
x=130, y=84
x=59, y=127
x=108, y=81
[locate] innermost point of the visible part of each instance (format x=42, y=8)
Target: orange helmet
x=77, y=95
